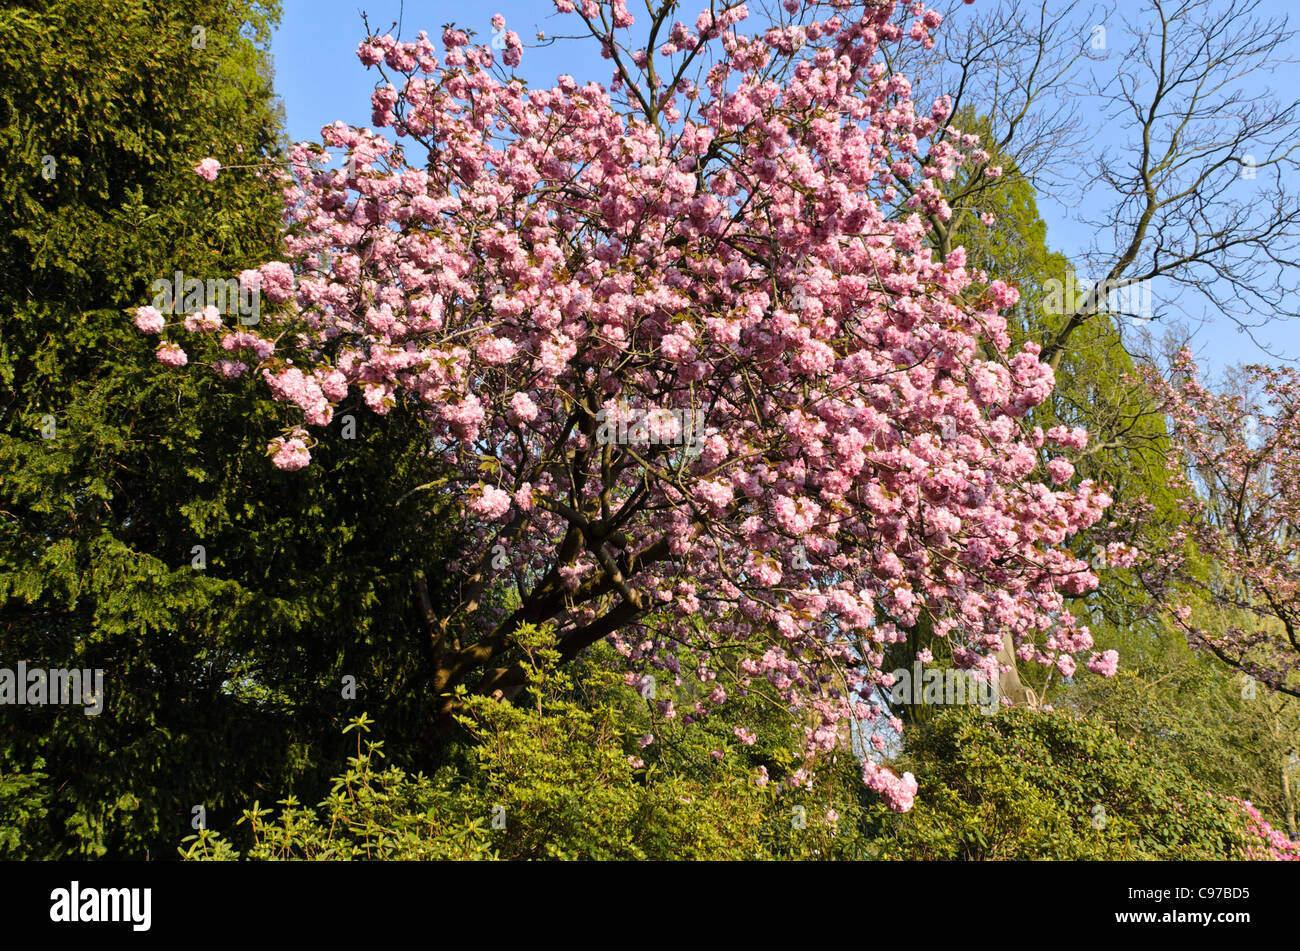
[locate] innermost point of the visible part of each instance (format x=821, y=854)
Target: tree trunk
x=1287, y=798
x=1009, y=684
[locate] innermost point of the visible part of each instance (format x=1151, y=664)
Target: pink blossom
x=277, y=281
x=522, y=409
x=169, y=354
x=230, y=369
x=1106, y=663
x=490, y=502
x=1060, y=470
x=149, y=320
x=898, y=792
x=208, y=319
x=290, y=453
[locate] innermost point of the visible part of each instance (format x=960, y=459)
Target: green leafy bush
x=1026, y=784
x=555, y=775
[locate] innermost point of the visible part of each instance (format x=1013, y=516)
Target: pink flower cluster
x=1105, y=663
x=169, y=354
x=898, y=792
x=290, y=453
x=1273, y=844
x=148, y=320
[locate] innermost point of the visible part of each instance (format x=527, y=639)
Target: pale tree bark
x=1009, y=684
x=1287, y=797
x=1284, y=769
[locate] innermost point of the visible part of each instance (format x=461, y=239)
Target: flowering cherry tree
x=714, y=237
x=1239, y=547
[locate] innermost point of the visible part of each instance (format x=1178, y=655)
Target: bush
x=552, y=777
x=1025, y=784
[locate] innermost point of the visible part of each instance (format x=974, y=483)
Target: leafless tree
x=1194, y=186
x=1021, y=68
x=1202, y=197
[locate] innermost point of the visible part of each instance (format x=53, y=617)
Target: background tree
x=1194, y=211
x=1184, y=707
x=1199, y=199
x=1231, y=736
x=1241, y=516
x=1003, y=233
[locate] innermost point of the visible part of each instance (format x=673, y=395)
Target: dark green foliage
x=125, y=105
x=222, y=678
x=22, y=809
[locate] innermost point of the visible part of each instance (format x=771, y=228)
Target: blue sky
x=320, y=81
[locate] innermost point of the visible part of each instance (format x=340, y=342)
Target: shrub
x=559, y=775
x=1026, y=784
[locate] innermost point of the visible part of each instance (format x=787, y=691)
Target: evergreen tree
x=141, y=530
